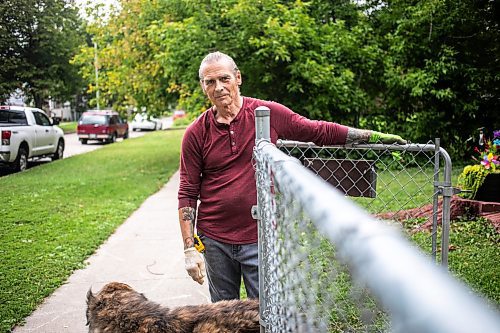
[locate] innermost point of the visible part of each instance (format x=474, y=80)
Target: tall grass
x=54, y=216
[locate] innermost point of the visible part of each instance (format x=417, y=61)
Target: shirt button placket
x=234, y=149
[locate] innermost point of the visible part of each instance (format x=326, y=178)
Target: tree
x=14, y=37
x=37, y=40
x=129, y=75
x=419, y=68
x=441, y=73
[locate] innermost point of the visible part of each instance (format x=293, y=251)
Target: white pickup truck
x=28, y=133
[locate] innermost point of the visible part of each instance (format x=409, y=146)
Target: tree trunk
x=38, y=100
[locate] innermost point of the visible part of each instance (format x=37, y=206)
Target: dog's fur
x=117, y=308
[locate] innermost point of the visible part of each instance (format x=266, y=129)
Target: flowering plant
x=496, y=139
x=473, y=176
x=488, y=158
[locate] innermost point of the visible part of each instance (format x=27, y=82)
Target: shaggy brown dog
x=117, y=308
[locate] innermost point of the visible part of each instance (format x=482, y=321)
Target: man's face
x=220, y=83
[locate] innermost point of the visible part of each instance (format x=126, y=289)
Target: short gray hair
x=215, y=57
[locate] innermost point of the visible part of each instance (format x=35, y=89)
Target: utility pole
x=96, y=75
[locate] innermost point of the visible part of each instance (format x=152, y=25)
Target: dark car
x=103, y=125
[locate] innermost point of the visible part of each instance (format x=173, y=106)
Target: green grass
x=182, y=122
x=68, y=127
x=403, y=189
x=54, y=216
x=474, y=255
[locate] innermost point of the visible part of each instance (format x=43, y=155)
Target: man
x=216, y=169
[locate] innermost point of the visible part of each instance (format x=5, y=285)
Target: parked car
x=179, y=114
x=28, y=133
x=142, y=121
x=101, y=125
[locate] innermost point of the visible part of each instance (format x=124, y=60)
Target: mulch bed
x=458, y=207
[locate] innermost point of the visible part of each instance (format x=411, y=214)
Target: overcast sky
x=83, y=3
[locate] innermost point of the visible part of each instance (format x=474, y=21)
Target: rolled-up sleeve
x=292, y=126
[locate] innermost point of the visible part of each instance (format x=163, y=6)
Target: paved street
x=75, y=147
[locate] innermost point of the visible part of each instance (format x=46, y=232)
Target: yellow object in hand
x=198, y=245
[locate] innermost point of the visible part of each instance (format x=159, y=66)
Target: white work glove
x=195, y=265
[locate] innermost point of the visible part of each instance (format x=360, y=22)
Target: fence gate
x=396, y=183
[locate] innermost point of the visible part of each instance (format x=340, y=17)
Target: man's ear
x=202, y=87
x=239, y=80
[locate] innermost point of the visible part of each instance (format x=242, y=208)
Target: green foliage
x=471, y=178
x=440, y=75
x=37, y=40
x=421, y=69
x=53, y=218
x=129, y=74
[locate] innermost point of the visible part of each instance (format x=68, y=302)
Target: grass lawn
x=474, y=256
x=68, y=127
x=55, y=216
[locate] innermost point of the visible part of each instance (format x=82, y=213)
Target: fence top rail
x=382, y=257
x=429, y=147
x=412, y=147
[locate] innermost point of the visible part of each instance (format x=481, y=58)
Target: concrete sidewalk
x=145, y=252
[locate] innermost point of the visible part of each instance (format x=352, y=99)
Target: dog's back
x=117, y=308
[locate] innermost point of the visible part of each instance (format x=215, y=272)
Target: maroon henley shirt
x=216, y=166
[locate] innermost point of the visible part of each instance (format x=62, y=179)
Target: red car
x=179, y=114
x=103, y=125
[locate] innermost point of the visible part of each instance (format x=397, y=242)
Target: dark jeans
x=226, y=264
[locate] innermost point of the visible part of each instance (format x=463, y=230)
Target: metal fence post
x=262, y=133
x=262, y=124
x=448, y=192
x=435, y=198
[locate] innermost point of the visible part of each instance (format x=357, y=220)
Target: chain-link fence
x=397, y=183
x=328, y=266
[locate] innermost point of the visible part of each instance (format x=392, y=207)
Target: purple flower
x=496, y=134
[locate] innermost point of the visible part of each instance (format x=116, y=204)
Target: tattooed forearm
x=355, y=135
x=188, y=242
x=187, y=220
x=188, y=214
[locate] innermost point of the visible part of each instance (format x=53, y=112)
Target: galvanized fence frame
x=414, y=293
x=442, y=188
